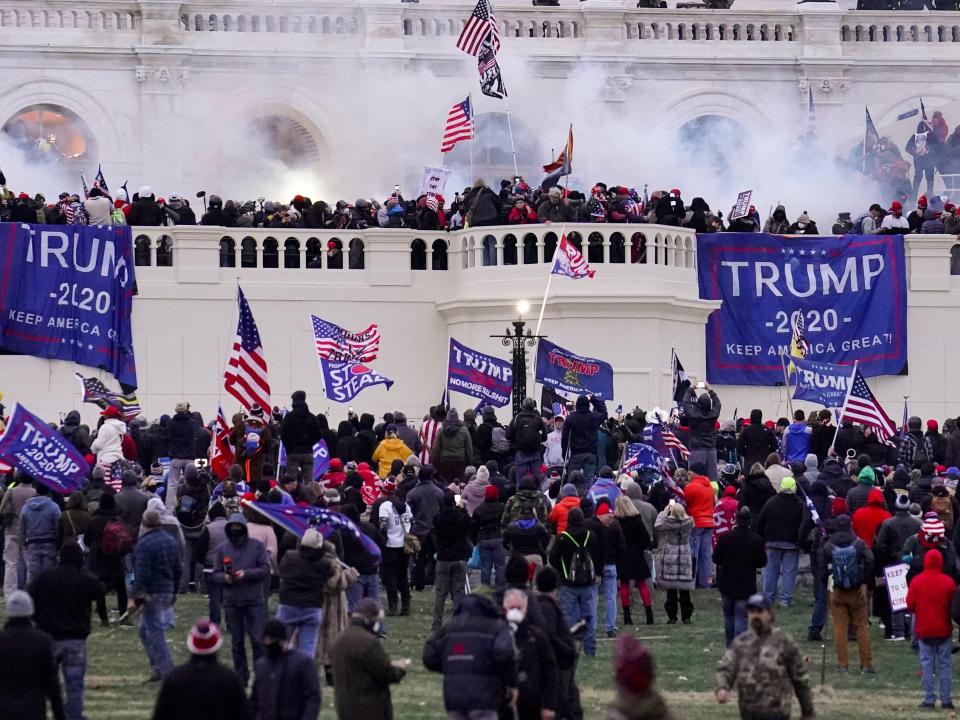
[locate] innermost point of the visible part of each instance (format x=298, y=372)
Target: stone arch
x=291, y=253
x=692, y=104
x=228, y=252
x=51, y=133
x=491, y=153
x=418, y=255
x=438, y=250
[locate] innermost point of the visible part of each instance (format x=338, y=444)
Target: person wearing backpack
x=576, y=555
x=108, y=540
x=846, y=560
x=945, y=506
x=486, y=446
x=527, y=434
x=579, y=441
x=915, y=449
x=193, y=498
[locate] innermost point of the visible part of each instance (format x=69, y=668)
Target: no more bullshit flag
x=571, y=373
x=479, y=375
x=345, y=380
x=33, y=447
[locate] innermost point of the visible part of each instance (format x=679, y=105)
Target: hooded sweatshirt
x=929, y=597
x=38, y=520
x=453, y=442
x=246, y=554
x=867, y=519
x=108, y=444
x=390, y=449
x=700, y=501
x=796, y=442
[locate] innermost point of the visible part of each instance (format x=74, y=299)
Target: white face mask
x=515, y=616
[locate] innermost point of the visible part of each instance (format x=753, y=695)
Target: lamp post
x=519, y=341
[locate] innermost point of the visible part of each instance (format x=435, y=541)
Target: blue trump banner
x=30, y=445
x=66, y=292
x=571, y=373
x=821, y=383
x=479, y=375
x=321, y=459
x=297, y=519
x=849, y=294
x=345, y=380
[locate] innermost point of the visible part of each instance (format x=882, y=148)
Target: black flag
x=491, y=81
x=680, y=380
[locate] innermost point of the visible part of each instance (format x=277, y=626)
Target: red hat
x=896, y=207
x=949, y=207
x=298, y=198
x=716, y=425
x=331, y=244
x=632, y=665
x=389, y=486
x=204, y=638
x=112, y=411
x=922, y=202
x=675, y=191
x=941, y=469
x=730, y=491
x=838, y=507
x=23, y=196
x=440, y=199
x=770, y=424
x=336, y=464
x=932, y=425
x=603, y=508
x=491, y=492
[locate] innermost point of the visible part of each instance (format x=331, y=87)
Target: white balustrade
x=116, y=17
x=900, y=27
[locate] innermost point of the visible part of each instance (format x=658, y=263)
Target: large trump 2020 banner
x=66, y=292
x=849, y=294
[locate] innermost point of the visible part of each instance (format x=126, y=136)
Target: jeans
x=935, y=660
x=39, y=556
x=177, y=466
x=579, y=602
x=897, y=623
x=14, y=570
x=525, y=463
x=587, y=462
x=493, y=560
x=71, y=656
x=300, y=465
x=451, y=580
x=610, y=591
x=782, y=568
x=306, y=622
x=245, y=620
x=366, y=586
x=708, y=457
x=214, y=597
x=734, y=617
x=152, y=633
x=701, y=548
x=819, y=616
x=849, y=608
x=393, y=571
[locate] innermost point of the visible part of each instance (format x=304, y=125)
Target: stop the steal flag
x=345, y=380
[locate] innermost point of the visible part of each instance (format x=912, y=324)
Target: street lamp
x=519, y=342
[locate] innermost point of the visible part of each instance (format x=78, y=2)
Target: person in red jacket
x=928, y=598
x=699, y=497
x=867, y=519
x=521, y=213
x=725, y=513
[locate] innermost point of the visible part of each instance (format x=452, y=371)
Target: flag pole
x=513, y=147
x=543, y=303
x=845, y=398
x=474, y=134
x=786, y=384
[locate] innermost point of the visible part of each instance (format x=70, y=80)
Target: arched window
x=356, y=254
x=271, y=256
x=248, y=253
x=418, y=255
x=712, y=142
x=141, y=251
x=228, y=253
x=50, y=133
x=291, y=253
x=314, y=253
x=439, y=254
x=286, y=140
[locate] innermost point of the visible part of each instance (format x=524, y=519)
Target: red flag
x=221, y=454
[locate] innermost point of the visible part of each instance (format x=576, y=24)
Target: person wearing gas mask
x=240, y=566
x=285, y=684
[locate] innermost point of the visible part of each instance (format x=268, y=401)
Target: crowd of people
x=535, y=508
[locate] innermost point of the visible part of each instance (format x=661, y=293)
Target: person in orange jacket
x=699, y=497
x=569, y=498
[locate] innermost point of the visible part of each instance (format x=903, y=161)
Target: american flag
x=799, y=347
x=491, y=80
x=481, y=24
x=569, y=261
x=862, y=407
x=335, y=343
x=245, y=376
x=640, y=455
x=94, y=391
x=664, y=441
x=560, y=409
x=428, y=436
x=221, y=454
x=459, y=125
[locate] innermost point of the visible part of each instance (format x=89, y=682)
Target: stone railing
x=713, y=26
x=315, y=20
x=71, y=15
x=258, y=248
x=901, y=27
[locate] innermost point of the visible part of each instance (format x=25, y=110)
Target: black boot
x=627, y=619
x=392, y=609
x=649, y=610
x=405, y=607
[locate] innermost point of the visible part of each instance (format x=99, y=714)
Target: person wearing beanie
x=395, y=521
x=866, y=481
x=725, y=514
x=527, y=433
x=28, y=670
x=915, y=448
x=527, y=536
x=702, y=413
x=181, y=430
x=527, y=494
x=738, y=554
x=334, y=477
x=202, y=688
x=452, y=450
x=285, y=681
x=451, y=540
x=756, y=441
x=424, y=500
x=937, y=442
x=304, y=573
x=569, y=499
x=766, y=667
x=389, y=450
x=605, y=487
x=867, y=519
x=131, y=502
x=487, y=534
x=849, y=561
x=299, y=432
x=930, y=597
x=474, y=493
x=632, y=565
x=633, y=675
x=362, y=670
x=931, y=534
x=408, y=434
x=891, y=536
x=62, y=598
x=779, y=526
x=106, y=562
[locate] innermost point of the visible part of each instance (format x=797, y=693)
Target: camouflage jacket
x=766, y=670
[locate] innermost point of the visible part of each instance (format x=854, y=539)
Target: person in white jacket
x=108, y=444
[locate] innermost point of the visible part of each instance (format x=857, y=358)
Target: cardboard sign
x=742, y=206
x=896, y=576
x=434, y=180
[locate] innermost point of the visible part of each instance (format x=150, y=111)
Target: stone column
x=161, y=80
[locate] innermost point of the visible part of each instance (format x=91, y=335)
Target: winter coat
x=781, y=518
x=300, y=430
x=250, y=556
x=474, y=494
x=581, y=426
x=892, y=535
x=703, y=434
x=451, y=530
x=724, y=516
x=28, y=673
x=251, y=461
x=537, y=672
x=304, y=573
x=567, y=544
x=754, y=494
x=476, y=654
x=453, y=443
x=181, y=429
x=526, y=496
x=287, y=688
x=424, y=501
x=390, y=449
x=842, y=538
x=62, y=597
x=796, y=442
x=560, y=212
x=486, y=520
x=108, y=445
x=105, y=567
x=517, y=432
x=156, y=564
x=699, y=498
x=916, y=548
x=867, y=519
x=39, y=519
x=673, y=556
x=74, y=520
x=485, y=207
x=929, y=598
x=202, y=689
x=834, y=477
x=526, y=536
x=362, y=674
x=848, y=437
x=738, y=555
x=145, y=212
x=75, y=432
x=632, y=562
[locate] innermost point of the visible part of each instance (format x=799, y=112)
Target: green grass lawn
x=686, y=656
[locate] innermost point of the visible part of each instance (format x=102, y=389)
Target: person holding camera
x=702, y=412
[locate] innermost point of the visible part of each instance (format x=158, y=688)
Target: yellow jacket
x=390, y=449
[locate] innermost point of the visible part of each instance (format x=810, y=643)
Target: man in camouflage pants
x=766, y=666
